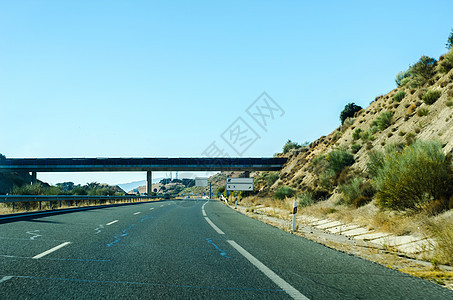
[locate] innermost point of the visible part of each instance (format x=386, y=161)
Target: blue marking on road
x=146, y=218
x=146, y=283
x=119, y=237
x=222, y=252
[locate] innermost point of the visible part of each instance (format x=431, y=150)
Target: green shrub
x=361, y=201
x=339, y=159
x=411, y=177
x=373, y=129
x=290, y=145
x=422, y=71
x=2, y=156
x=349, y=111
x=284, y=192
x=320, y=194
x=365, y=136
x=356, y=134
x=350, y=191
x=447, y=63
x=375, y=163
x=357, y=192
x=326, y=180
x=449, y=103
x=319, y=163
x=399, y=96
x=421, y=112
x=305, y=199
x=355, y=148
x=30, y=189
x=410, y=138
x=431, y=96
x=402, y=78
x=271, y=178
x=384, y=120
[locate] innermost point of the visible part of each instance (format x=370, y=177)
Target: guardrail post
x=13, y=207
x=60, y=203
x=27, y=206
x=39, y=205
x=294, y=216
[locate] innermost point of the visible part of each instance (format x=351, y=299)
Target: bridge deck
x=140, y=164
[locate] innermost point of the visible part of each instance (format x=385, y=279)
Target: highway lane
x=184, y=249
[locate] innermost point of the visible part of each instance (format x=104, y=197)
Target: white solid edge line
x=113, y=222
x=5, y=278
x=51, y=250
x=289, y=289
x=214, y=226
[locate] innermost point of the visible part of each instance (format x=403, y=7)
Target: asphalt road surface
x=183, y=249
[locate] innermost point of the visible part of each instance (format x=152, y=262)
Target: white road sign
x=201, y=181
x=239, y=184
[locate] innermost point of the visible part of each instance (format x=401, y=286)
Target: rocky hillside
x=420, y=108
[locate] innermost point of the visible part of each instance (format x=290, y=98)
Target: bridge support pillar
x=34, y=178
x=149, y=182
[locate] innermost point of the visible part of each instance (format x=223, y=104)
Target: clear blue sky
x=147, y=78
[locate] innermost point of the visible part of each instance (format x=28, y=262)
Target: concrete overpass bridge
x=35, y=165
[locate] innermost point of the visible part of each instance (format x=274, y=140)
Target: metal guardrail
x=14, y=199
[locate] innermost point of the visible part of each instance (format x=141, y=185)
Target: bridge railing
x=35, y=202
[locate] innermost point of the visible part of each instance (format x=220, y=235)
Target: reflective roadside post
x=294, y=215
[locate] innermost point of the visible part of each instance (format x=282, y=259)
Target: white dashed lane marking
x=113, y=222
x=137, y=213
x=51, y=250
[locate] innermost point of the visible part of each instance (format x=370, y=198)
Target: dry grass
x=440, y=228
x=368, y=216
x=438, y=276
x=4, y=209
x=272, y=207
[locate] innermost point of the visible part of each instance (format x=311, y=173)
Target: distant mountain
x=135, y=184
x=132, y=185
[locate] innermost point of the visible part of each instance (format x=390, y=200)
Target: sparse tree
x=349, y=110
x=449, y=43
